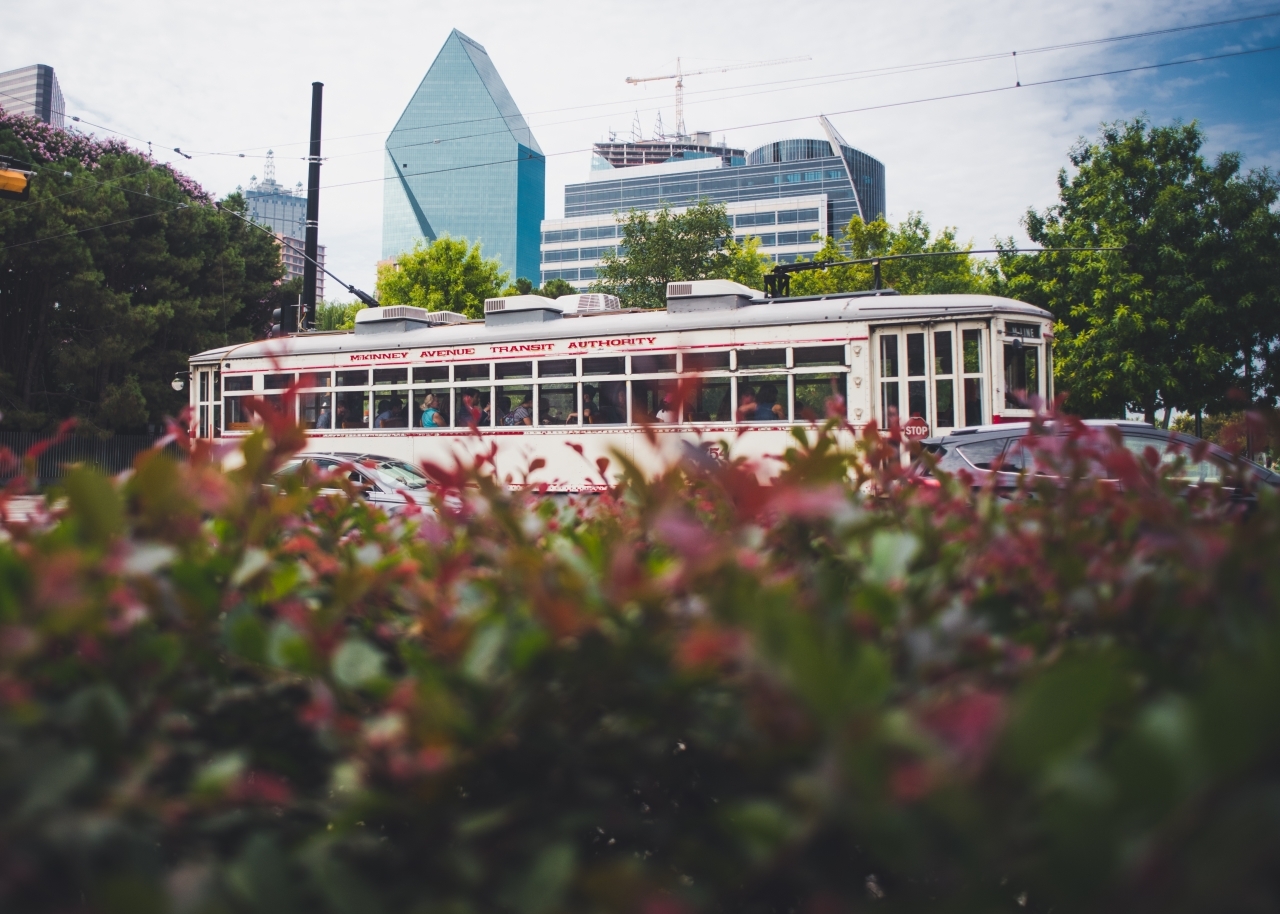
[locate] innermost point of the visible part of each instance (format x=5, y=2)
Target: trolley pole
x=307, y=315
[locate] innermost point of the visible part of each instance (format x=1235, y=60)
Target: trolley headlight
x=179, y=380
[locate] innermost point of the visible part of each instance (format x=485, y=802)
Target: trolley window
x=387, y=377
x=277, y=381
x=514, y=370
x=652, y=364
x=819, y=355
x=706, y=361
x=762, y=358
x=608, y=365
x=353, y=378
x=557, y=368
x=472, y=372
x=430, y=374
x=244, y=382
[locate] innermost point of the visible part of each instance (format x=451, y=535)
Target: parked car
x=994, y=455
x=384, y=481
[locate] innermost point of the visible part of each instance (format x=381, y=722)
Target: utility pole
x=307, y=313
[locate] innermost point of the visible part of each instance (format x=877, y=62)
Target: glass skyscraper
x=461, y=161
x=785, y=194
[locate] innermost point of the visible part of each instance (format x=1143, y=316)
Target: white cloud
x=235, y=77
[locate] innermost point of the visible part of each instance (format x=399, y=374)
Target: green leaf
x=357, y=663
x=94, y=504
x=1061, y=711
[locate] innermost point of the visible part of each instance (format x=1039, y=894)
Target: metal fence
x=110, y=455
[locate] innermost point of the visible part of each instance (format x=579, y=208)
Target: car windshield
x=401, y=475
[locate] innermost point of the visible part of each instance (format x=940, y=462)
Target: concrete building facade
x=33, y=90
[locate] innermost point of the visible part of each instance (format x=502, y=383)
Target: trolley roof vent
x=402, y=318
x=590, y=303
x=709, y=295
x=520, y=309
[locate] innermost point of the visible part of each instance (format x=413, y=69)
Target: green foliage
x=922, y=276
x=554, y=288
x=1191, y=307
x=132, y=270
x=689, y=693
x=662, y=247
x=745, y=263
x=447, y=274
x=337, y=315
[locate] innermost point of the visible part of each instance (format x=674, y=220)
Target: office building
x=292, y=253
x=784, y=193
x=461, y=161
x=284, y=211
x=33, y=90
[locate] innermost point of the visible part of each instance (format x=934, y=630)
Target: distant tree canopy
x=552, y=288
x=922, y=276
x=337, y=315
x=661, y=247
x=448, y=274
x=1189, y=311
x=112, y=274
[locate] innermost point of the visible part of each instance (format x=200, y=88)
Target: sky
x=961, y=143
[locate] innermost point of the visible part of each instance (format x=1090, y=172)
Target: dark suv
x=994, y=454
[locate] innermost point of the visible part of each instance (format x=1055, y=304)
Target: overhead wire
x=947, y=97
x=865, y=108
x=804, y=82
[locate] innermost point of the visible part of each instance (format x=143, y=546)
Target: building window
x=756, y=219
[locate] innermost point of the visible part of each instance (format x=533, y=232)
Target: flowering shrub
x=44, y=143
x=691, y=693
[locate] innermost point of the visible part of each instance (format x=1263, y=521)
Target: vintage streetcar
x=577, y=378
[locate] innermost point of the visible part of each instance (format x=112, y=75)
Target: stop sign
x=915, y=428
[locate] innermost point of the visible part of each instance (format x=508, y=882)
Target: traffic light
x=15, y=181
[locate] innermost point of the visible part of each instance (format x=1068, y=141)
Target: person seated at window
x=614, y=410
x=469, y=413
x=340, y=415
x=504, y=409
x=768, y=409
x=724, y=411
x=431, y=415
x=325, y=419
x=522, y=414
x=666, y=413
x=547, y=414
x=590, y=412
x=747, y=405
x=390, y=414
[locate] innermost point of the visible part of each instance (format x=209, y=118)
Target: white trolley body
x=570, y=388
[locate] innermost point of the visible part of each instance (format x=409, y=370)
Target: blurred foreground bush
x=691, y=694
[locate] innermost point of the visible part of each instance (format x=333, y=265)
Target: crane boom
x=679, y=76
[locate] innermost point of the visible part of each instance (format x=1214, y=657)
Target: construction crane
x=679, y=76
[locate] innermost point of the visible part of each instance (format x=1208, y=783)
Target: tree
x=1188, y=310
x=554, y=288
x=919, y=276
x=744, y=263
x=447, y=274
x=662, y=247
x=337, y=315
x=112, y=274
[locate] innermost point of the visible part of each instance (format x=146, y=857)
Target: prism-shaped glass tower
x=461, y=161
